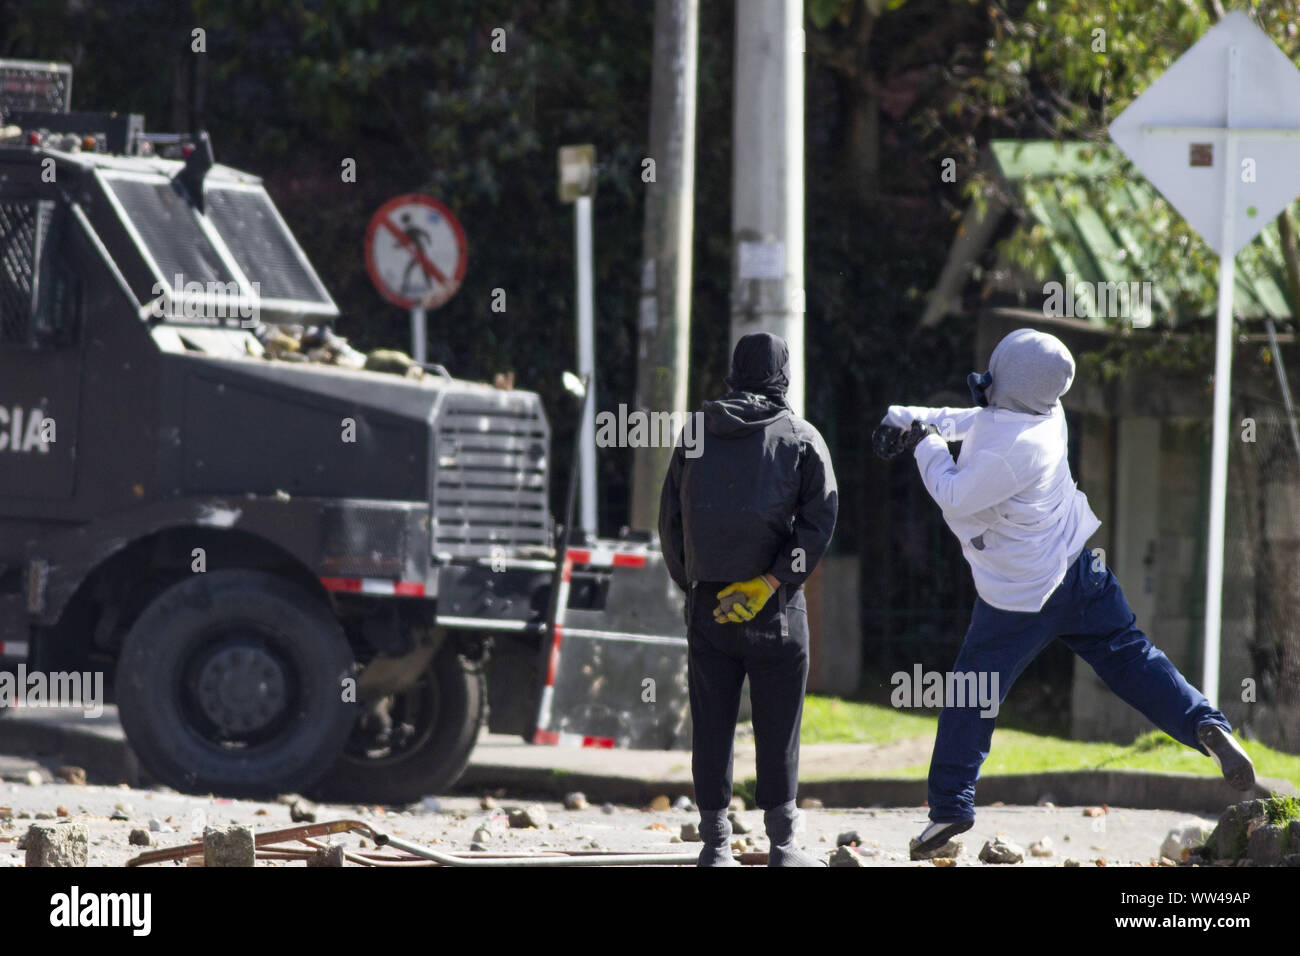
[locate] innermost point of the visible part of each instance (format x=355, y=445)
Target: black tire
x=440, y=716
x=231, y=682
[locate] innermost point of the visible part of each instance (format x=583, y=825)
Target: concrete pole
x=767, y=186
x=588, y=520
x=663, y=350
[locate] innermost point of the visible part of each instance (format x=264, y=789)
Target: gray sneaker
x=715, y=831
x=779, y=822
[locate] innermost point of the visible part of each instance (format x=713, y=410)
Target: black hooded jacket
x=753, y=491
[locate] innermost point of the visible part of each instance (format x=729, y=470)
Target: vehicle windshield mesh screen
x=246, y=221
x=171, y=232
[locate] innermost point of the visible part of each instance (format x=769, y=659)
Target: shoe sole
x=1232, y=762
x=943, y=836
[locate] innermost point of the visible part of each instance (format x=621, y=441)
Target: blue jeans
x=1087, y=611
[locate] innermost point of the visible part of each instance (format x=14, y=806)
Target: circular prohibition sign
x=416, y=252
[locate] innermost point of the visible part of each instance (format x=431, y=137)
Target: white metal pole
x=418, y=347
x=586, y=361
x=1222, y=392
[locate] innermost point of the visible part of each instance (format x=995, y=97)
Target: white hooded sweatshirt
x=1009, y=497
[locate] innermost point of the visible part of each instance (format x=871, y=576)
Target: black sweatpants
x=777, y=664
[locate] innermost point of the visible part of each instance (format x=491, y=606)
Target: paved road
x=1121, y=837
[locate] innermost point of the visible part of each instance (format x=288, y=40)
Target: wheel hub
x=242, y=689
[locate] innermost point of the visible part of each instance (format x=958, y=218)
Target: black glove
x=887, y=441
x=913, y=436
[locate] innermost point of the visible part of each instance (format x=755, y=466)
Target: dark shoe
x=715, y=831
x=1227, y=753
x=937, y=834
x=779, y=822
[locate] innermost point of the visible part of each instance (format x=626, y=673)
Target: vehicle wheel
x=415, y=743
x=232, y=682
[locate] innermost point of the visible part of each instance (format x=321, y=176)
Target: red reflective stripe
x=409, y=588
x=555, y=657
x=341, y=584
x=629, y=560
x=604, y=743
x=579, y=556
x=545, y=737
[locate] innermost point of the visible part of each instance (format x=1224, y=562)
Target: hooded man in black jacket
x=743, y=520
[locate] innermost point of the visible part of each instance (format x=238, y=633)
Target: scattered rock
x=997, y=803
x=140, y=837
x=810, y=803
x=478, y=847
x=73, y=775
x=482, y=835
x=44, y=815
x=690, y=833
x=739, y=846
x=1047, y=800
x=431, y=805
x=1001, y=851
x=1230, y=836
x=660, y=803
x=738, y=824
x=157, y=826
x=607, y=808
x=522, y=818
x=1100, y=861
x=302, y=811
x=683, y=803
x=1094, y=812
x=122, y=811
x=846, y=856
x=849, y=838
x=261, y=812
x=33, y=778
x=1183, y=838
x=65, y=845
x=1043, y=847
x=658, y=825
x=575, y=801
x=1166, y=861
x=487, y=803
x=952, y=848
x=1266, y=845
x=675, y=839
x=944, y=860
x=737, y=804
x=288, y=799
x=327, y=856
x=1071, y=863
x=228, y=846
x=61, y=811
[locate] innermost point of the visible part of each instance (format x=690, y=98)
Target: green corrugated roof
x=1095, y=235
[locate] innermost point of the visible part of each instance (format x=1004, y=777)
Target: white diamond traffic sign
x=1232, y=99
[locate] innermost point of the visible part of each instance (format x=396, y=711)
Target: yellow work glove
x=742, y=600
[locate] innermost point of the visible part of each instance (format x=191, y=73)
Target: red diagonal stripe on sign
x=414, y=249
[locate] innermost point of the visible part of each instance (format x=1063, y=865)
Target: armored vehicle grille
x=490, y=475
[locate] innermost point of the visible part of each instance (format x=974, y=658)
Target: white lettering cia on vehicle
x=25, y=430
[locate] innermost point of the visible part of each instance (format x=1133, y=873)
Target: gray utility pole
x=767, y=179
x=663, y=351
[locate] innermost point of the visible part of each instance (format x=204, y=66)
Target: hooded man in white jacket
x=1022, y=522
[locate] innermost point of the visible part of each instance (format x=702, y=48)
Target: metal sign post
x=577, y=184
x=1219, y=135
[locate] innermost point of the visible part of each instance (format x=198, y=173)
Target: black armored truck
x=294, y=576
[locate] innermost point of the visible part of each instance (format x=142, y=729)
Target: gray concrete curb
x=108, y=759
x=1137, y=789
